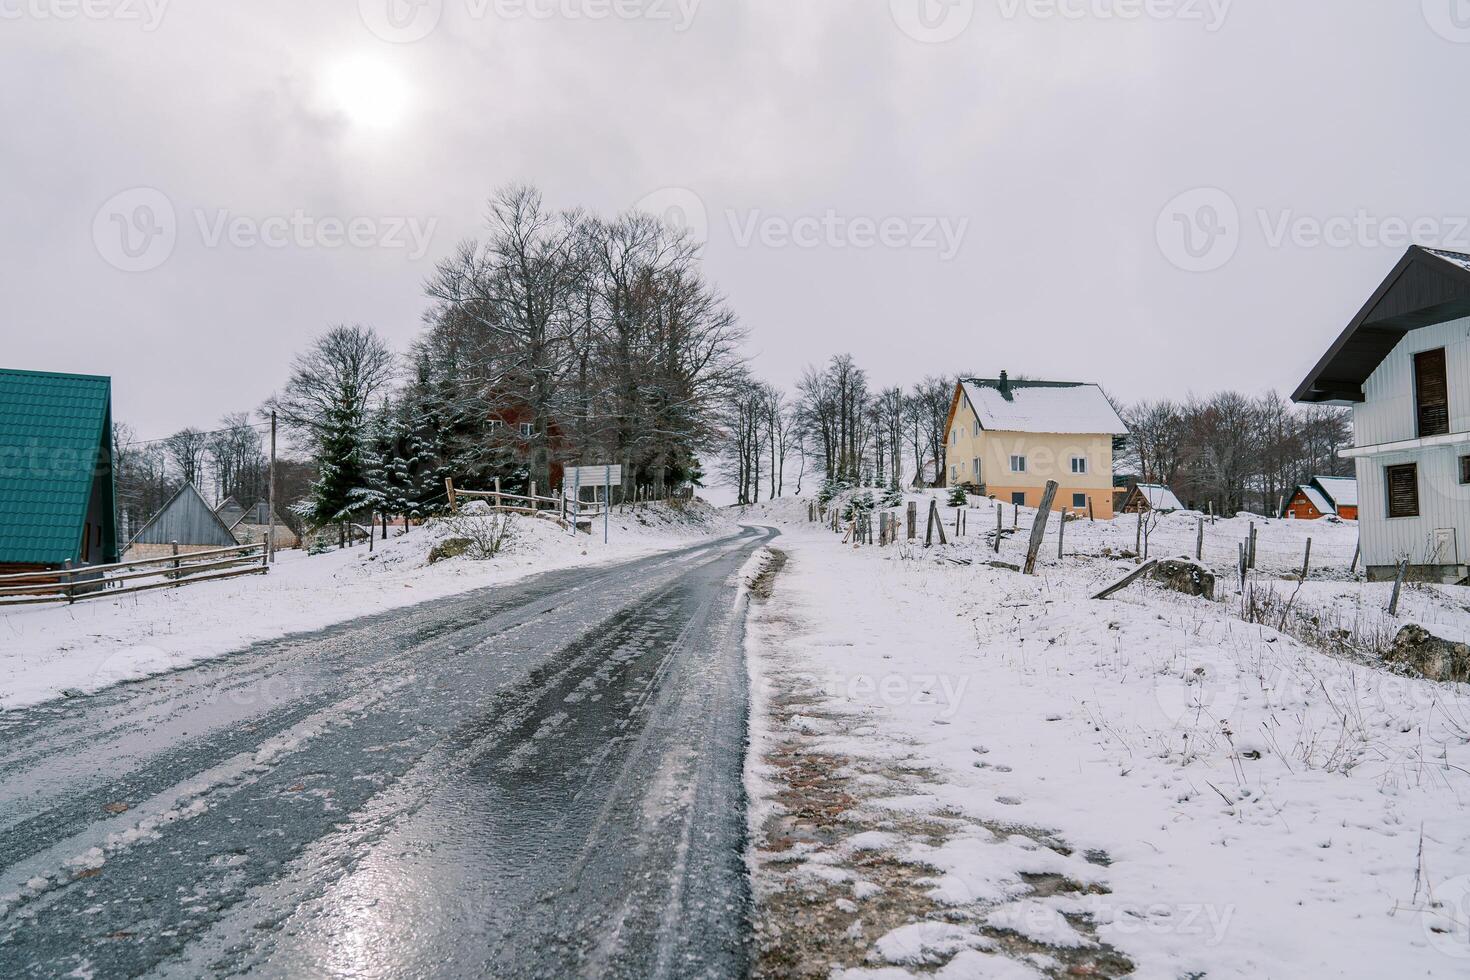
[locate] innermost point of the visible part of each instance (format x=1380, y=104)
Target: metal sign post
x=576, y=500
x=606, y=501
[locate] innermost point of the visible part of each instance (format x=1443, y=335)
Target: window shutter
x=1431, y=391
x=1403, y=490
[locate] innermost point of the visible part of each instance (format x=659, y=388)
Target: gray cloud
x=1102, y=158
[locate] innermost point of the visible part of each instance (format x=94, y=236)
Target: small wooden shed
x=1145, y=497
x=186, y=520
x=1325, y=496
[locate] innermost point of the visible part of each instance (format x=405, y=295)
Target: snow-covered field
x=46, y=651
x=963, y=769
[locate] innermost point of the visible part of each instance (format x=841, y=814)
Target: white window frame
x=528, y=429
x=975, y=465
x=1079, y=465
x=1018, y=459
x=496, y=425
x=954, y=473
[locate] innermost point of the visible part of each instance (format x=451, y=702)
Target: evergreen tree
x=335, y=494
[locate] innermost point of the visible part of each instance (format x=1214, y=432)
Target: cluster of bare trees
x=840, y=425
x=1234, y=451
x=558, y=338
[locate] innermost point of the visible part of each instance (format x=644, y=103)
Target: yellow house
x=1010, y=437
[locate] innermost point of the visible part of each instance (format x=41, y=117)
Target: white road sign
x=592, y=476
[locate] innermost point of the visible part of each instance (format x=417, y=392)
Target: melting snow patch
x=924, y=943
x=1037, y=922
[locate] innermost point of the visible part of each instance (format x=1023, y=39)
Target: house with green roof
x=57, y=501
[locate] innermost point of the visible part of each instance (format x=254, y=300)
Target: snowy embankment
x=957, y=767
x=49, y=651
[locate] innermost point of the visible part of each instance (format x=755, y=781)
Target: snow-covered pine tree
x=341, y=464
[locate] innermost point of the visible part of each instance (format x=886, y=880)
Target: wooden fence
x=517, y=503
x=70, y=584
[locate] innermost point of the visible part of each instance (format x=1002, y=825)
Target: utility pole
x=270, y=541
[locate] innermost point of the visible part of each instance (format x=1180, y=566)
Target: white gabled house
x=1403, y=364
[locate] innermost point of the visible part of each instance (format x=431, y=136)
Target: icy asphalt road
x=535, y=780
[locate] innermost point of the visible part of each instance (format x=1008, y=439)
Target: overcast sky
x=1158, y=195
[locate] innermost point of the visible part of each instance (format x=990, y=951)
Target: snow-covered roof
x=1317, y=499
x=1042, y=406
x=1342, y=491
x=1159, y=497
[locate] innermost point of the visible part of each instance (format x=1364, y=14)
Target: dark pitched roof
x=1428, y=286
x=229, y=511
x=53, y=439
x=187, y=519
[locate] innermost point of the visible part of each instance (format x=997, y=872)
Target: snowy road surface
x=537, y=780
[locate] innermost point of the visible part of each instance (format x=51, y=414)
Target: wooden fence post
x=1398, y=586
x=499, y=502
x=1357, y=553
x=1090, y=518
x=449, y=488
x=935, y=521
x=913, y=516
x=1062, y=535
x=535, y=507
x=175, y=545
x=1138, y=535
x=1199, y=541
x=998, y=526
x=1307, y=560
x=1127, y=580
x=1038, y=526
x=70, y=580
x=1252, y=554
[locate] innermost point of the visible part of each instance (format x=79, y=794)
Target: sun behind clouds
x=367, y=90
